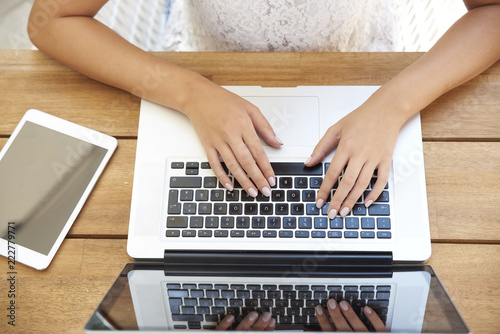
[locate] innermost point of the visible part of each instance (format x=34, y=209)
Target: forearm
x=468, y=48
x=93, y=49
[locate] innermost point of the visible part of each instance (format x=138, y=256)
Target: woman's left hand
x=365, y=141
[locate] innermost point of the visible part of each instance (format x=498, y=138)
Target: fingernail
x=332, y=214
x=266, y=316
x=272, y=181
x=344, y=211
x=228, y=186
x=278, y=140
x=319, y=203
x=344, y=305
x=307, y=160
x=367, y=310
x=367, y=204
x=319, y=310
x=230, y=318
x=252, y=192
x=272, y=323
x=252, y=316
x=332, y=304
x=266, y=191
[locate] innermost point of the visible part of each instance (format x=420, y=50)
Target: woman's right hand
x=229, y=126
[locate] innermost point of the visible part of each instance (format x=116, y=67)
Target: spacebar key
x=296, y=168
x=187, y=317
x=185, y=182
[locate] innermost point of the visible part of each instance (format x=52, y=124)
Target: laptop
x=199, y=263
x=189, y=296
x=177, y=203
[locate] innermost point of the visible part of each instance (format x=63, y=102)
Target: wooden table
x=461, y=132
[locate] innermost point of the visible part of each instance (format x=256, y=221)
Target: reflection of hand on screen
x=343, y=318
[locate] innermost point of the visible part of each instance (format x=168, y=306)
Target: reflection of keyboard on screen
x=200, y=207
x=203, y=305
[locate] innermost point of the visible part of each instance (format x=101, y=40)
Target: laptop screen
x=408, y=299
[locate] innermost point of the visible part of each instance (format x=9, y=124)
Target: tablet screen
x=42, y=178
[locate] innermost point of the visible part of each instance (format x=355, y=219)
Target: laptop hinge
x=294, y=263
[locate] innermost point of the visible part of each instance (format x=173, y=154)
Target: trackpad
x=295, y=119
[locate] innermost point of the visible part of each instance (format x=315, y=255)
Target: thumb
x=326, y=145
x=263, y=128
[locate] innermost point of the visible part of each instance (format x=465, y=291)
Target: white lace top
x=281, y=25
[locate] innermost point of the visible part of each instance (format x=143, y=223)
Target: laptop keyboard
x=203, y=305
x=200, y=207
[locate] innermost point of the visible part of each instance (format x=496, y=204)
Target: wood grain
x=31, y=80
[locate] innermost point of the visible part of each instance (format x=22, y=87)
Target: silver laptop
x=187, y=297
x=177, y=204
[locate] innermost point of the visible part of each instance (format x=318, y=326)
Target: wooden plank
x=31, y=80
x=63, y=297
x=463, y=183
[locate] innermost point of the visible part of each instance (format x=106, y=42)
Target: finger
x=272, y=325
x=337, y=317
x=235, y=168
x=324, y=322
x=248, y=321
x=362, y=182
x=346, y=183
x=326, y=145
x=351, y=316
x=220, y=173
x=263, y=322
x=262, y=126
x=331, y=178
x=382, y=178
x=260, y=156
x=225, y=323
x=376, y=322
x=247, y=162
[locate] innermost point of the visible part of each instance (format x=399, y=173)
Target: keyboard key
x=227, y=222
x=312, y=210
x=351, y=234
x=296, y=168
x=253, y=234
x=201, y=195
x=297, y=209
x=175, y=304
x=177, y=222
x=243, y=222
x=221, y=234
x=174, y=207
x=305, y=222
x=205, y=208
x=251, y=209
x=258, y=222
x=301, y=234
x=318, y=234
x=368, y=234
x=189, y=233
x=337, y=223
x=216, y=195
x=176, y=165
x=235, y=209
x=383, y=223
x=368, y=223
x=278, y=195
x=379, y=210
x=315, y=182
x=352, y=222
x=232, y=196
x=205, y=233
x=185, y=182
x=187, y=317
x=293, y=195
x=290, y=222
x=286, y=234
x=281, y=208
x=210, y=182
x=237, y=234
x=178, y=293
x=384, y=235
x=220, y=208
x=320, y=222
x=269, y=234
x=189, y=208
x=266, y=209
x=308, y=196
x=359, y=210
x=334, y=234
x=273, y=223
x=285, y=182
x=211, y=222
x=301, y=182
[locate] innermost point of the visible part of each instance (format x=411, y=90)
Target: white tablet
x=47, y=169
